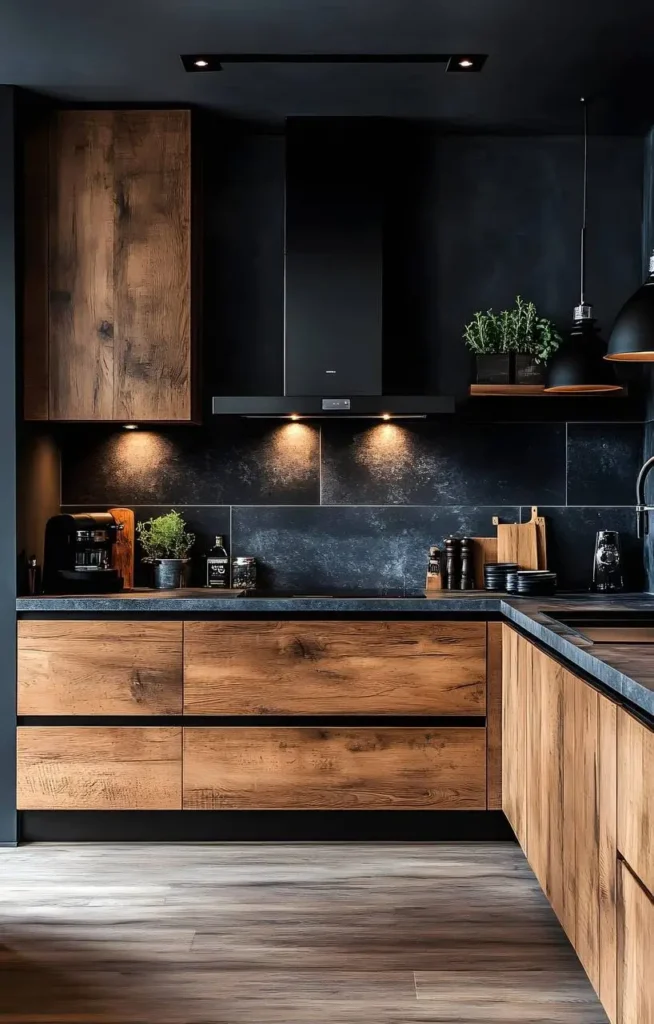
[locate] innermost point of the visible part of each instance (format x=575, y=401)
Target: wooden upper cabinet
x=113, y=339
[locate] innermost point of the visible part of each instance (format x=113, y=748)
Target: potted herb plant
x=511, y=347
x=166, y=546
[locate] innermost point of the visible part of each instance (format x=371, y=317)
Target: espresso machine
x=78, y=554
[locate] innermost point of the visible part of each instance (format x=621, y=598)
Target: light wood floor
x=269, y=933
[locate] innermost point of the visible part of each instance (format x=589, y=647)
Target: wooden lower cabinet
x=307, y=768
x=99, y=768
x=99, y=667
x=516, y=670
x=636, y=944
x=560, y=790
x=335, y=667
x=636, y=797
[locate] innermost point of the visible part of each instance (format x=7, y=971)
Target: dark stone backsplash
x=356, y=505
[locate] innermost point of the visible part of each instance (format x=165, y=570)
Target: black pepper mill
x=452, y=563
x=467, y=580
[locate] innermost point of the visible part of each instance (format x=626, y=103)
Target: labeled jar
x=244, y=573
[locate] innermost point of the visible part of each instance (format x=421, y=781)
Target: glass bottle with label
x=218, y=565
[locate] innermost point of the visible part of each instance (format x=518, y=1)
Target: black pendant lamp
x=578, y=365
x=632, y=337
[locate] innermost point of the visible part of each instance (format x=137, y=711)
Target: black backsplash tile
x=603, y=462
x=571, y=543
x=226, y=462
x=443, y=463
x=319, y=550
x=205, y=522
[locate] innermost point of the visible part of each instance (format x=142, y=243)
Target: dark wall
x=470, y=221
x=355, y=505
x=7, y=473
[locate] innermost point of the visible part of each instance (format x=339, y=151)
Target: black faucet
x=643, y=510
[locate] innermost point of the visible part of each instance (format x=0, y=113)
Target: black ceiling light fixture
x=578, y=366
x=632, y=337
x=463, y=62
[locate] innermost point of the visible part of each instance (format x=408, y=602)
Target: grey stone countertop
x=626, y=669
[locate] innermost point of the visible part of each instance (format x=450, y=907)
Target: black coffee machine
x=78, y=554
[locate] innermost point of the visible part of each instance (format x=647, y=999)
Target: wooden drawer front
x=349, y=668
x=99, y=768
x=636, y=961
x=99, y=668
x=313, y=768
x=636, y=797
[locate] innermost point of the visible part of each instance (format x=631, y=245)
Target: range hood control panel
x=336, y=404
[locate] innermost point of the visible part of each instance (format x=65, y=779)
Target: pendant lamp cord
x=583, y=216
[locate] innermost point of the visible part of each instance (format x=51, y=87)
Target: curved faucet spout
x=642, y=510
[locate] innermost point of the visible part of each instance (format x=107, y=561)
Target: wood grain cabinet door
x=334, y=769
x=99, y=667
x=99, y=768
x=117, y=268
x=636, y=797
x=636, y=943
x=335, y=667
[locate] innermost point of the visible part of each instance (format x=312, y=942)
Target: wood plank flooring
x=263, y=933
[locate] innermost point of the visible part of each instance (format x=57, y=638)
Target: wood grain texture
x=335, y=667
x=334, y=768
x=279, y=933
x=98, y=768
x=636, y=797
x=608, y=860
x=34, y=633
x=516, y=672
x=99, y=668
x=123, y=550
x=586, y=826
x=110, y=678
x=494, y=715
x=81, y=266
x=152, y=285
x=35, y=269
x=636, y=961
x=484, y=549
x=550, y=839
x=518, y=542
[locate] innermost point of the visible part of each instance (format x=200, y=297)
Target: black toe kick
x=262, y=826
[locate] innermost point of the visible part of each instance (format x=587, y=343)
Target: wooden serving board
x=484, y=549
x=123, y=553
x=523, y=543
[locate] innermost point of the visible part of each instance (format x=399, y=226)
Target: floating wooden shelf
x=538, y=390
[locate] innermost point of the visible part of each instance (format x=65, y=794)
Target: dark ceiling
x=543, y=55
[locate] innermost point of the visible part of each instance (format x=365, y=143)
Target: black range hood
x=333, y=362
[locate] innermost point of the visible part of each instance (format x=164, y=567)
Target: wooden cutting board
x=484, y=549
x=123, y=553
x=518, y=542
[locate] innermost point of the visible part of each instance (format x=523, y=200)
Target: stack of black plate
x=495, y=574
x=531, y=583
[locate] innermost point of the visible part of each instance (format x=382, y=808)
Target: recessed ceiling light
x=200, y=62
x=386, y=415
x=130, y=426
x=466, y=62
x=294, y=416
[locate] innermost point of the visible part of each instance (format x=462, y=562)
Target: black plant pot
x=527, y=370
x=494, y=369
